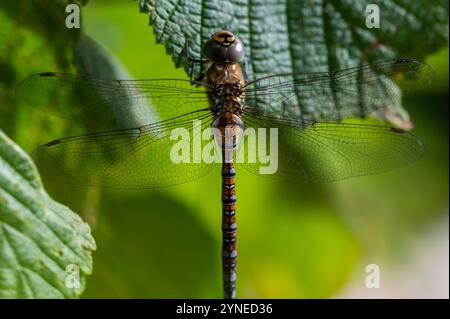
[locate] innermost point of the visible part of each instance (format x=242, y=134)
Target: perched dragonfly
x=315, y=140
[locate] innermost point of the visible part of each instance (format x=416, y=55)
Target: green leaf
x=43, y=18
x=33, y=38
x=39, y=238
x=293, y=36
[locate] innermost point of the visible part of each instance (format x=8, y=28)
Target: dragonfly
x=317, y=139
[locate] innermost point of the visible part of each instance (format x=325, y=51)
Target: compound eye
x=215, y=52
x=235, y=52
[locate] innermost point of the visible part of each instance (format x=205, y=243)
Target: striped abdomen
x=229, y=230
x=230, y=127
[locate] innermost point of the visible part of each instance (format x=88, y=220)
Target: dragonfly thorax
x=228, y=97
x=226, y=82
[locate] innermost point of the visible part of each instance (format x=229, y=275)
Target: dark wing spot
x=45, y=74
x=397, y=130
x=405, y=60
x=55, y=142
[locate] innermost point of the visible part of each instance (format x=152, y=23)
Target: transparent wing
x=82, y=98
x=330, y=151
x=360, y=91
x=144, y=157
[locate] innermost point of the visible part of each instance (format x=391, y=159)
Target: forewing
x=130, y=103
x=362, y=91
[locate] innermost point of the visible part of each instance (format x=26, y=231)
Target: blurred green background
x=294, y=241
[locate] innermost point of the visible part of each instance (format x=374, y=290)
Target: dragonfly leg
x=193, y=61
x=198, y=78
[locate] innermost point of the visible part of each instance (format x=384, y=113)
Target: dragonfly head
x=223, y=47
